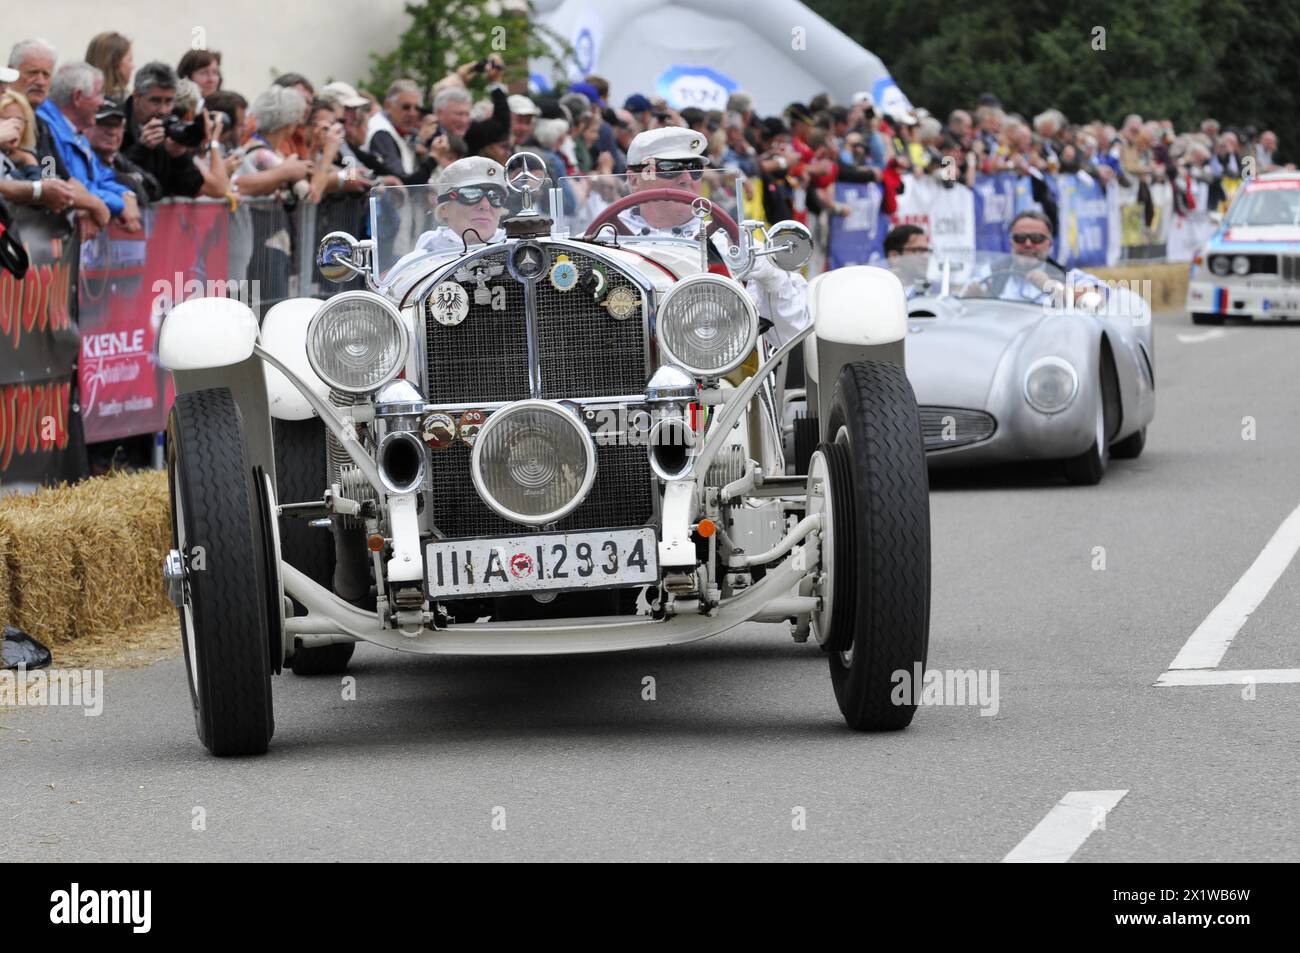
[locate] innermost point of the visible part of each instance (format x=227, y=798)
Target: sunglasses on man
x=473, y=194
x=1031, y=238
x=671, y=168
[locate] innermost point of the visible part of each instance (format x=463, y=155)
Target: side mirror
x=338, y=257
x=790, y=245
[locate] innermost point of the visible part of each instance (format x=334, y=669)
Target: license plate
x=537, y=563
x=1285, y=306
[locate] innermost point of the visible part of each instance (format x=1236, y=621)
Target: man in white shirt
x=672, y=157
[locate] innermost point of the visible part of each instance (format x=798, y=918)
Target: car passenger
x=907, y=255
x=471, y=201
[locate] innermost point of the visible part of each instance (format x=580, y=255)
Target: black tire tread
x=234, y=716
x=892, y=498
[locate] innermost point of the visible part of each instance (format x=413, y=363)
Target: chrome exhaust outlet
x=401, y=462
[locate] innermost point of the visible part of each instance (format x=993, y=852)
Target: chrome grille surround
x=945, y=428
x=545, y=343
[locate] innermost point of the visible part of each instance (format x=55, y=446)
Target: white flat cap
x=522, y=106
x=8, y=75
x=666, y=142
x=343, y=94
x=475, y=170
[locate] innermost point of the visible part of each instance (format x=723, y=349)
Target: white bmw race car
x=1250, y=268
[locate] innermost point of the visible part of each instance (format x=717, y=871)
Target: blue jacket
x=80, y=160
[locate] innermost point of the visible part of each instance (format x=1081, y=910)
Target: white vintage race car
x=564, y=440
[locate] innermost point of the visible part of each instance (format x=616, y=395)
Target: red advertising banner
x=40, y=438
x=128, y=284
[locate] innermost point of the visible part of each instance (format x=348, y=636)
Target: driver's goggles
x=1032, y=238
x=674, y=167
x=473, y=194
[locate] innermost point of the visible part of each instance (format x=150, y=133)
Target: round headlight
x=1240, y=265
x=356, y=342
x=707, y=324
x=533, y=462
x=1050, y=385
x=1220, y=264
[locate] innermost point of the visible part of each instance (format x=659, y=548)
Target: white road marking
x=1207, y=645
x=1065, y=828
x=1211, y=335
x=1260, y=676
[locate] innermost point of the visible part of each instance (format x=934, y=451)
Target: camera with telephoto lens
x=188, y=134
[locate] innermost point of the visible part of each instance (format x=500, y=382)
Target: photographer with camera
x=165, y=144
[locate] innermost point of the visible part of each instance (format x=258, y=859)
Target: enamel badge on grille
x=621, y=304
x=448, y=304
x=564, y=274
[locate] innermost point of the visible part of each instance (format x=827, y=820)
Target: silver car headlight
x=1240, y=265
x=356, y=342
x=707, y=324
x=1050, y=384
x=533, y=462
x=1220, y=264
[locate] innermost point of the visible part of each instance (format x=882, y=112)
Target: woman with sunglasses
x=469, y=205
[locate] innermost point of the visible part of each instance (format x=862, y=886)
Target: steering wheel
x=610, y=214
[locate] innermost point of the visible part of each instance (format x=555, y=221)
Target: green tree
x=446, y=33
x=1177, y=59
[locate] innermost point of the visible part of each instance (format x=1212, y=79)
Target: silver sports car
x=1001, y=377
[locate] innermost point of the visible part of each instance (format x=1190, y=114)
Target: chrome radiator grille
x=582, y=352
x=485, y=357
x=621, y=495
x=946, y=427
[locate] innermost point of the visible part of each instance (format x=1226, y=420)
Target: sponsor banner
x=859, y=237
x=947, y=214
x=1082, y=228
x=40, y=431
x=995, y=206
x=128, y=284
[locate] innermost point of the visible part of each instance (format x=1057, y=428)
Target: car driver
x=672, y=157
x=1029, y=274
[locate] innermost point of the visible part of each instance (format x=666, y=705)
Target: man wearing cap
x=105, y=138
x=471, y=201
x=523, y=111
x=672, y=157
x=640, y=107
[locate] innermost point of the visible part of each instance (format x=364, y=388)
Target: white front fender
x=284, y=334
x=859, y=313
x=207, y=332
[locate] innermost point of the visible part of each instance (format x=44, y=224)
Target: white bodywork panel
x=284, y=334
x=676, y=548
x=407, y=564
x=207, y=332
x=858, y=305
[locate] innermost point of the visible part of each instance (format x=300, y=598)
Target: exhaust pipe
x=672, y=448
x=401, y=462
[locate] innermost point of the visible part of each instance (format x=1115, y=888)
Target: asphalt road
x=744, y=732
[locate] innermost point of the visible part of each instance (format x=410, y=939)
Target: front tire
x=880, y=572
x=1130, y=448
x=224, y=613
x=1089, y=467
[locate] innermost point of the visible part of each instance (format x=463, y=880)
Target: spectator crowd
x=101, y=138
